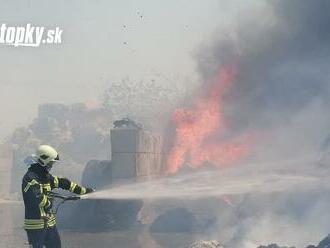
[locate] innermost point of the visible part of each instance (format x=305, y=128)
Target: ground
x=12, y=235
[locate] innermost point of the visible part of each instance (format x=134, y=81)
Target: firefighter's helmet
x=45, y=155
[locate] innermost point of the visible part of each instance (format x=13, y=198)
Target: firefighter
x=40, y=222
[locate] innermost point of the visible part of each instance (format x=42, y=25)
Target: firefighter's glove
x=89, y=190
x=49, y=206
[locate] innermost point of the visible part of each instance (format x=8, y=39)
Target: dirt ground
x=12, y=235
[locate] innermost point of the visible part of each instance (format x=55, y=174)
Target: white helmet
x=46, y=154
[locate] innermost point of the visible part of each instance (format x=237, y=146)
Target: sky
x=282, y=48
x=103, y=41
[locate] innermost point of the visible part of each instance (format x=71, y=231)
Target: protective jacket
x=37, y=182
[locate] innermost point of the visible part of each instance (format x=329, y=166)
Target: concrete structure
x=135, y=154
x=6, y=164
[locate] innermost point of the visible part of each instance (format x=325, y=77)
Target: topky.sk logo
x=29, y=36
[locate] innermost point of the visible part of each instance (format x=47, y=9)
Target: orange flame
x=199, y=133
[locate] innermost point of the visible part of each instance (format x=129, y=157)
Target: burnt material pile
x=274, y=246
x=325, y=243
x=206, y=244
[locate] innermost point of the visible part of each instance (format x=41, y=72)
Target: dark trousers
x=44, y=237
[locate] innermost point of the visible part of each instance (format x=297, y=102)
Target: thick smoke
x=281, y=49
x=282, y=52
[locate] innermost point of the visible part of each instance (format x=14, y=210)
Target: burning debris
x=126, y=122
x=200, y=133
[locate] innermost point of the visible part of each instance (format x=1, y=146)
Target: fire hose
x=62, y=199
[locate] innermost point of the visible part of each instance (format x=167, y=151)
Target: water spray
x=207, y=184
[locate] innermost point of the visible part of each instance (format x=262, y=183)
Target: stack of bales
x=135, y=154
x=6, y=163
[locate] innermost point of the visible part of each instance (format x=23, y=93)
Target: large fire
x=200, y=131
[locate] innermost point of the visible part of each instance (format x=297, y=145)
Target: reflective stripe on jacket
x=37, y=182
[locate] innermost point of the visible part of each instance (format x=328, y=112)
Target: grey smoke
x=281, y=50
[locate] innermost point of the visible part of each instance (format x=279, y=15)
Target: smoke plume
x=281, y=51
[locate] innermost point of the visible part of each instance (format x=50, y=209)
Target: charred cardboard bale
x=99, y=215
x=136, y=156
x=98, y=173
x=175, y=220
x=206, y=244
x=106, y=214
